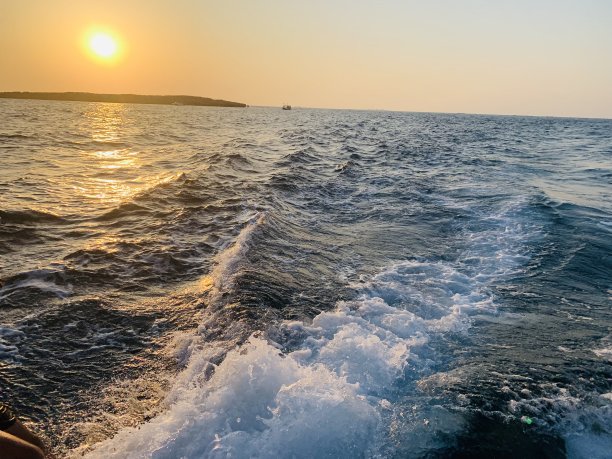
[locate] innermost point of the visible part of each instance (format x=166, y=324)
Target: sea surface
x=190, y=282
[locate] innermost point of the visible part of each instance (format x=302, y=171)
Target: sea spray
x=340, y=386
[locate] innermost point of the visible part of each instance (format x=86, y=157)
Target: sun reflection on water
x=114, y=173
x=116, y=159
x=101, y=165
x=105, y=122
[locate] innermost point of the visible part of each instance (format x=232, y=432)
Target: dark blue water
x=212, y=282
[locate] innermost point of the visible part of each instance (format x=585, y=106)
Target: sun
x=103, y=45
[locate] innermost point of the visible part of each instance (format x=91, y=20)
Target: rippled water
x=313, y=283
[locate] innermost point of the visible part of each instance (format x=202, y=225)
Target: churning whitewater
x=203, y=282
x=339, y=384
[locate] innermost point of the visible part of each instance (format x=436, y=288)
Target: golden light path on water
x=114, y=175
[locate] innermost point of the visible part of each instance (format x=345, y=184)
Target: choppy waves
x=324, y=284
x=338, y=379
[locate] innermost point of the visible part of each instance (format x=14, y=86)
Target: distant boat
x=286, y=107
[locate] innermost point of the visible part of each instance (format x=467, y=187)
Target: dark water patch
x=12, y=236
x=495, y=437
x=284, y=184
x=302, y=156
x=88, y=346
x=137, y=265
x=14, y=136
x=190, y=197
x=87, y=335
x=33, y=286
x=130, y=209
x=236, y=159
x=239, y=144
x=29, y=216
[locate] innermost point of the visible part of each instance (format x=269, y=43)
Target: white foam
x=219, y=280
x=325, y=399
x=584, y=422
x=40, y=279
x=257, y=403
x=336, y=395
x=604, y=353
x=604, y=350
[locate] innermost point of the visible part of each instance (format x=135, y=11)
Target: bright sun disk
x=103, y=45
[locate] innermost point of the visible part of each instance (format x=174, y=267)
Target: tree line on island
x=121, y=98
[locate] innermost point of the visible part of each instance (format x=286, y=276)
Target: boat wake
x=340, y=379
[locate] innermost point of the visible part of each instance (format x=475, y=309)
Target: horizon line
x=306, y=106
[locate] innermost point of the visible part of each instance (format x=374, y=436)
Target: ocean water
x=188, y=282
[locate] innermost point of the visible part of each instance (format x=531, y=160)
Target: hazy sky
x=551, y=57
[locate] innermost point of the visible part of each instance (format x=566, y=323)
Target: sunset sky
x=539, y=57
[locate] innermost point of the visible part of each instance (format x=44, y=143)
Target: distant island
x=121, y=98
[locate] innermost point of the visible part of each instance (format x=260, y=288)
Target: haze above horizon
x=523, y=57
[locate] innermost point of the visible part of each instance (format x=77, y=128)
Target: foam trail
x=335, y=394
x=260, y=403
x=605, y=352
x=220, y=278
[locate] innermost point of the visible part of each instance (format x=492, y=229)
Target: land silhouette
x=121, y=98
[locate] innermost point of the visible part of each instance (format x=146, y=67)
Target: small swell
x=129, y=209
x=220, y=279
x=137, y=206
x=14, y=136
x=283, y=183
x=45, y=281
x=305, y=156
x=237, y=158
x=29, y=216
x=163, y=182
